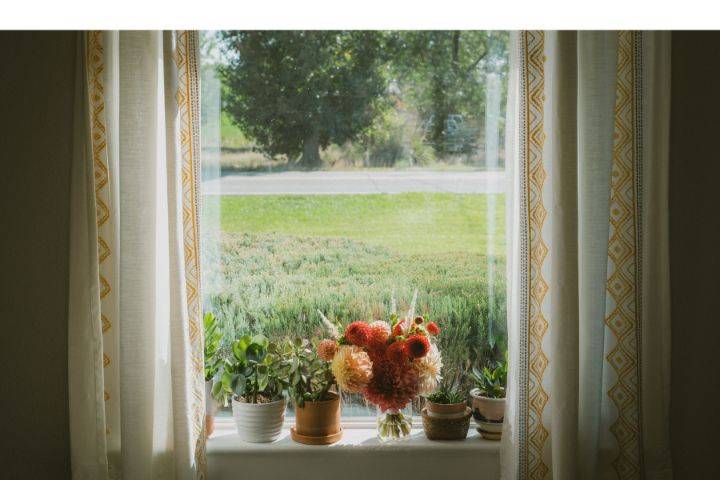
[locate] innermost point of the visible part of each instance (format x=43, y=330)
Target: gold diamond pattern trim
x=622, y=318
x=95, y=66
x=187, y=98
x=534, y=170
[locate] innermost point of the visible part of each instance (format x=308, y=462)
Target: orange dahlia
x=397, y=352
x=417, y=345
x=326, y=349
x=379, y=334
x=357, y=333
x=432, y=328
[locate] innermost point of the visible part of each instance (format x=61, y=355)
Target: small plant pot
x=448, y=426
x=259, y=422
x=211, y=408
x=489, y=414
x=445, y=410
x=318, y=423
x=490, y=430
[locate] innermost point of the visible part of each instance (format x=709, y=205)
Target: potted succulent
x=446, y=415
x=311, y=385
x=488, y=399
x=213, y=336
x=252, y=379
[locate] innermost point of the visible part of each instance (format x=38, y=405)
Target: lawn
x=280, y=259
x=408, y=223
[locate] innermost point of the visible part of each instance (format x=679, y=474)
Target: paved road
x=327, y=183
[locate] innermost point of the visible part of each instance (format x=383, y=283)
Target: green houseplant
x=446, y=415
x=211, y=350
x=311, y=385
x=253, y=380
x=488, y=398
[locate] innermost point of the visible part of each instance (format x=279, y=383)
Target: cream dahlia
x=352, y=368
x=428, y=369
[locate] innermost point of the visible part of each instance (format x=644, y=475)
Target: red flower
x=432, y=328
x=397, y=352
x=357, y=333
x=378, y=336
x=397, y=329
x=417, y=345
x=392, y=386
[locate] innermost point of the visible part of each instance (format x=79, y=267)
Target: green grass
x=279, y=259
x=409, y=223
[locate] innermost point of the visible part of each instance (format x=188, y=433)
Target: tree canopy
x=294, y=92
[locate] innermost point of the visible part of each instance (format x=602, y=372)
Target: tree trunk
x=311, y=151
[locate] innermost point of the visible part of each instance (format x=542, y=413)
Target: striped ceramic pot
x=259, y=422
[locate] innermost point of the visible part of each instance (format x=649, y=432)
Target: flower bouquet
x=389, y=363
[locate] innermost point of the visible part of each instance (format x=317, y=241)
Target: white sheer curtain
x=589, y=314
x=135, y=333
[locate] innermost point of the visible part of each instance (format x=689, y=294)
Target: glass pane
x=345, y=169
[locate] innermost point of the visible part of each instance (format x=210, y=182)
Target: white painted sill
x=359, y=455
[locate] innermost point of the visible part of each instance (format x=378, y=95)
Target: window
x=344, y=171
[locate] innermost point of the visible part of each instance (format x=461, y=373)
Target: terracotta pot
x=318, y=423
x=209, y=424
x=486, y=408
x=445, y=410
x=259, y=422
x=211, y=408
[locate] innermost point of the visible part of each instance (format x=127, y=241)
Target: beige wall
x=695, y=255
x=36, y=95
x=36, y=88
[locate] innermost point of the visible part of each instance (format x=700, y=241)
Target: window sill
x=359, y=455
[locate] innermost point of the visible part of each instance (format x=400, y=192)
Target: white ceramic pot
x=490, y=430
x=492, y=409
x=259, y=422
x=489, y=414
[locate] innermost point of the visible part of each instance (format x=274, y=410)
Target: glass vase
x=394, y=425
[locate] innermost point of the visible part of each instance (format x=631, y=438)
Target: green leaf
x=239, y=383
x=261, y=340
x=239, y=351
x=216, y=389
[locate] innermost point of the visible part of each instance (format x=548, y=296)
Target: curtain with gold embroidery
x=589, y=313
x=135, y=332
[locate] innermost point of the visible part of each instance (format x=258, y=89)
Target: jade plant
x=309, y=376
x=213, y=336
x=252, y=374
x=491, y=382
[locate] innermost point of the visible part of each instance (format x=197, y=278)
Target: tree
x=443, y=72
x=295, y=92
